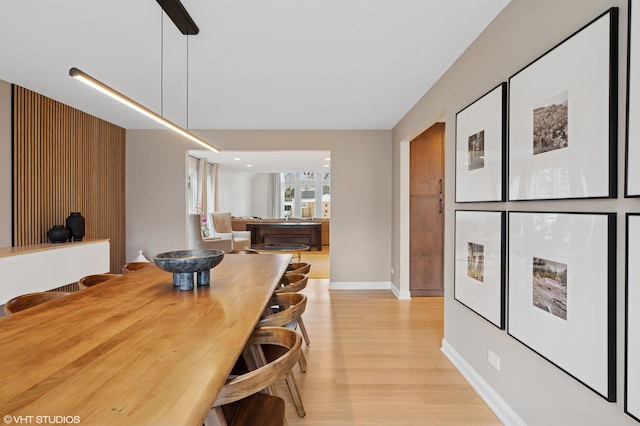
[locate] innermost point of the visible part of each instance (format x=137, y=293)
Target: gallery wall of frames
x=548, y=278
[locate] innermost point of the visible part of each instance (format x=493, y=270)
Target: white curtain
x=208, y=187
x=275, y=196
x=204, y=185
x=214, y=188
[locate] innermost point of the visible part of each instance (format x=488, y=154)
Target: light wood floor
x=376, y=360
x=319, y=262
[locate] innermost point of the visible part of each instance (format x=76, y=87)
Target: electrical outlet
x=494, y=360
x=392, y=271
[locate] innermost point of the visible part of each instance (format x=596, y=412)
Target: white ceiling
x=256, y=64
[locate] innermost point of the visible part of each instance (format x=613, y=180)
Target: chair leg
x=254, y=358
x=304, y=331
x=293, y=389
x=250, y=357
x=215, y=417
x=302, y=362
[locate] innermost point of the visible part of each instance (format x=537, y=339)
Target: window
x=306, y=194
x=289, y=200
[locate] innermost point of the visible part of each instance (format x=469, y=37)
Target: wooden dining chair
x=285, y=310
x=239, y=401
x=293, y=283
x=298, y=268
x=91, y=280
x=26, y=301
x=134, y=266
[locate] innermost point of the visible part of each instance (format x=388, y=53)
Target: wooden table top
x=134, y=350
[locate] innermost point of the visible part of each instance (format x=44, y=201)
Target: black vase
x=75, y=223
x=58, y=234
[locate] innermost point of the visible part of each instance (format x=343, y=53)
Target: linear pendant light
x=101, y=87
x=179, y=15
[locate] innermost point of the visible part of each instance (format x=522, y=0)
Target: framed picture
x=562, y=292
x=632, y=328
x=563, y=118
x=632, y=174
x=481, y=134
x=479, y=274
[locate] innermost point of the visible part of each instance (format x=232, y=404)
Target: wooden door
x=427, y=212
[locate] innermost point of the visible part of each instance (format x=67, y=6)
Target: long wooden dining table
x=134, y=350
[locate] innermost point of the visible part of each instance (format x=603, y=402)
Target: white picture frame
x=561, y=292
x=563, y=118
x=480, y=172
x=479, y=273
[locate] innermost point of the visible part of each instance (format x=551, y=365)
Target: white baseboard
x=401, y=295
x=498, y=405
x=360, y=285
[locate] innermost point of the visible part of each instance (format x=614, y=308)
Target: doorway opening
x=275, y=185
x=426, y=212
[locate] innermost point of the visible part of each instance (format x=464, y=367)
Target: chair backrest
x=221, y=222
x=134, y=266
x=26, y=301
x=91, y=280
x=244, y=251
x=291, y=283
x=254, y=381
x=298, y=268
x=291, y=306
x=197, y=242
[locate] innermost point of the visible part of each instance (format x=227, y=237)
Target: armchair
x=198, y=242
x=220, y=226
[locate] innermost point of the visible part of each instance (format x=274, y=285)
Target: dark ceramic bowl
x=184, y=263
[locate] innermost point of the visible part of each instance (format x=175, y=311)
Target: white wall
x=155, y=189
x=540, y=393
x=5, y=164
x=260, y=195
x=243, y=193
x=360, y=192
x=233, y=190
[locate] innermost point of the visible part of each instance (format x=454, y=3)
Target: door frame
x=405, y=217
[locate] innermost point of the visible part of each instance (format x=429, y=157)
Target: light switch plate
x=494, y=360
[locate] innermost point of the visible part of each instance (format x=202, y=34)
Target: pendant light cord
x=161, y=63
x=187, y=82
x=162, y=70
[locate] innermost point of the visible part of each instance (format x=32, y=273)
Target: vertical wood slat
x=66, y=160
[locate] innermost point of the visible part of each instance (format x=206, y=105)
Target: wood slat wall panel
x=66, y=160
